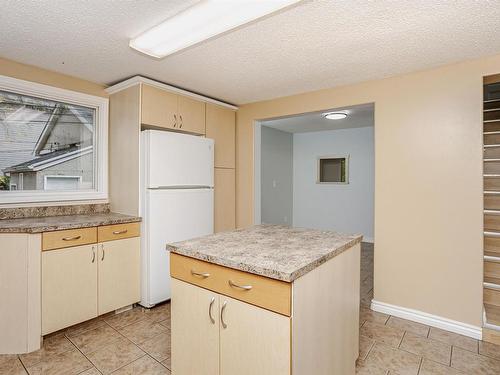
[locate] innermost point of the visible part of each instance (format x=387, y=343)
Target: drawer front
x=118, y=231
x=257, y=290
x=69, y=237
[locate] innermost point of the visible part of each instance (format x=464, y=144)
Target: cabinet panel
x=119, y=274
x=221, y=127
x=224, y=199
x=195, y=336
x=68, y=238
x=118, y=231
x=191, y=115
x=254, y=341
x=159, y=107
x=69, y=287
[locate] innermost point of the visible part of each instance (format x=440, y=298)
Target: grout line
x=420, y=365
x=451, y=354
x=402, y=338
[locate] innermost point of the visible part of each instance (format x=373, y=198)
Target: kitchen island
x=267, y=300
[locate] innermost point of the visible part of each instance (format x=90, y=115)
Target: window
x=333, y=170
x=53, y=143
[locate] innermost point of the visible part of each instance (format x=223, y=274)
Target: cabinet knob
x=224, y=305
x=210, y=310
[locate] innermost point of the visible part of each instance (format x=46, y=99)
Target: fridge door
x=171, y=215
x=177, y=160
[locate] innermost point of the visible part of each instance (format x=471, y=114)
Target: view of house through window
x=45, y=145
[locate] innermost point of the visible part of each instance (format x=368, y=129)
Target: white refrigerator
x=177, y=202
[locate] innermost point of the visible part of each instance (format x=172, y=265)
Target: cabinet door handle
x=180, y=116
x=243, y=287
x=71, y=238
x=102, y=248
x=120, y=231
x=210, y=310
x=93, y=254
x=175, y=121
x=203, y=275
x=224, y=325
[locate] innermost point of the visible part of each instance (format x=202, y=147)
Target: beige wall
x=428, y=182
x=32, y=73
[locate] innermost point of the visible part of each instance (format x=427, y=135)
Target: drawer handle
x=93, y=254
x=180, y=126
x=243, y=287
x=120, y=231
x=224, y=325
x=210, y=310
x=71, y=238
x=203, y=275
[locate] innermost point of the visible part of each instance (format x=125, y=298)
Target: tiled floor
x=137, y=342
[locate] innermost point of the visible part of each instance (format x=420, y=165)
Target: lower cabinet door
x=69, y=287
x=195, y=330
x=253, y=340
x=119, y=274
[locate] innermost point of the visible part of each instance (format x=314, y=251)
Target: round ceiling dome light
x=335, y=115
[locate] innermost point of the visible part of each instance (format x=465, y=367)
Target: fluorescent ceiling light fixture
x=335, y=115
x=203, y=21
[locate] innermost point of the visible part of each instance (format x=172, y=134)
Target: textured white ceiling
x=358, y=116
x=317, y=44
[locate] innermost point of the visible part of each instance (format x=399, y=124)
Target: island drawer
x=257, y=290
x=67, y=238
x=118, y=231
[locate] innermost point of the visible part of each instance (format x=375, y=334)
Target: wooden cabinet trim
x=68, y=238
x=267, y=293
x=118, y=231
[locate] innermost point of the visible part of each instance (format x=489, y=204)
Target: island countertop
x=276, y=251
x=52, y=223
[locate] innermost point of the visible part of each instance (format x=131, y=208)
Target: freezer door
x=172, y=215
x=174, y=159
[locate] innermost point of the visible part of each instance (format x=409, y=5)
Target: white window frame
x=45, y=178
x=100, y=104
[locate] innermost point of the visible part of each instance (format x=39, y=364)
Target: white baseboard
x=428, y=319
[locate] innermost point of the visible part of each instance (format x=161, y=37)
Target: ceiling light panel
x=203, y=21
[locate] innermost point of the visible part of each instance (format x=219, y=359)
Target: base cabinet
x=213, y=334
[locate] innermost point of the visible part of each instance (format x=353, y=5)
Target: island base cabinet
x=69, y=287
x=216, y=335
x=119, y=277
x=195, y=330
x=254, y=340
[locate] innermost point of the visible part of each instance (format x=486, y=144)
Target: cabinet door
x=253, y=340
x=69, y=287
x=195, y=330
x=221, y=127
x=191, y=115
x=224, y=200
x=158, y=107
x=119, y=274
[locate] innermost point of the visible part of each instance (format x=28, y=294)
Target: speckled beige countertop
x=51, y=223
x=275, y=251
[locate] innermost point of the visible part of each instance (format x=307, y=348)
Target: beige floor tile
x=68, y=363
x=398, y=361
x=143, y=366
x=454, y=339
x=363, y=368
x=432, y=368
x=489, y=349
x=92, y=340
x=158, y=347
x=365, y=344
x=365, y=314
x=78, y=329
x=126, y=318
x=409, y=326
x=52, y=345
x=142, y=331
x=166, y=323
x=11, y=365
x=115, y=355
x=381, y=333
x=472, y=363
x=168, y=363
x=159, y=313
x=428, y=348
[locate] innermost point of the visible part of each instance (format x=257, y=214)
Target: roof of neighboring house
x=49, y=159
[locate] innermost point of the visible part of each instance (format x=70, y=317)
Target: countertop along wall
x=346, y=208
x=428, y=182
